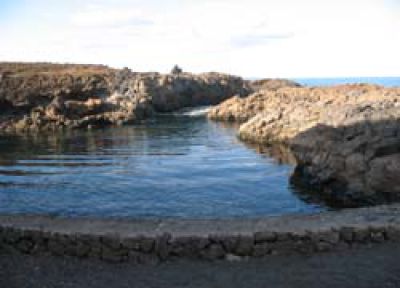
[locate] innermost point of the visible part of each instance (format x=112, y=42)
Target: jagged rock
x=345, y=138
x=213, y=252
x=176, y=91
x=239, y=109
x=79, y=96
x=56, y=107
x=5, y=104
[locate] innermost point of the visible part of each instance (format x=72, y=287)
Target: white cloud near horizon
x=101, y=17
x=253, y=38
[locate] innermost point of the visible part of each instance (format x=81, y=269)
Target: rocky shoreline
x=52, y=96
x=345, y=138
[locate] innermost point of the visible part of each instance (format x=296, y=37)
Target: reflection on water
x=280, y=153
x=172, y=166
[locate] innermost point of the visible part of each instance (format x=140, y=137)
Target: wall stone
x=149, y=241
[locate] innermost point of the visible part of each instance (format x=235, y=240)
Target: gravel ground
x=376, y=266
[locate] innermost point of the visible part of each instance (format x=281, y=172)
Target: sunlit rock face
x=47, y=96
x=345, y=139
x=171, y=92
x=51, y=96
x=239, y=109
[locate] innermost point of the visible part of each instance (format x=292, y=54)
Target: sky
x=251, y=38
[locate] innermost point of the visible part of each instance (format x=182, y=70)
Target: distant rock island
x=345, y=139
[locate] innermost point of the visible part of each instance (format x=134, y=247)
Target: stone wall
x=151, y=241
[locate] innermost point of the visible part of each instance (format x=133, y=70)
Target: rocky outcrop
x=239, y=109
x=345, y=139
x=354, y=163
x=48, y=96
x=289, y=112
x=45, y=96
x=26, y=86
x=172, y=92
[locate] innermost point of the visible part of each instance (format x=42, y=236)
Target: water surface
x=384, y=81
x=169, y=167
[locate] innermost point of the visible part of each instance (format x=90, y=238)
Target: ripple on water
x=171, y=167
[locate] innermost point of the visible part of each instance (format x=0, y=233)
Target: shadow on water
x=283, y=155
x=280, y=153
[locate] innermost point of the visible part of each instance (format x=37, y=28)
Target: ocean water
x=384, y=81
x=174, y=166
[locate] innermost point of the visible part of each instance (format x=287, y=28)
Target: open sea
x=384, y=81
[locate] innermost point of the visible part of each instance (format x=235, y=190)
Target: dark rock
x=244, y=246
x=261, y=237
x=162, y=247
x=25, y=246
x=346, y=234
x=114, y=255
x=361, y=235
x=393, y=234
x=261, y=249
x=331, y=237
x=213, y=251
x=143, y=258
x=323, y=246
x=189, y=247
x=55, y=247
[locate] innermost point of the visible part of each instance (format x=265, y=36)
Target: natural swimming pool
x=172, y=166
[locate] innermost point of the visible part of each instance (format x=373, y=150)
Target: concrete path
x=377, y=216
x=365, y=267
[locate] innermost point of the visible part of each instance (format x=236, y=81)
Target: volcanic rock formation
x=45, y=96
x=346, y=139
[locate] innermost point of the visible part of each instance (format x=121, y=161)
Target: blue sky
x=253, y=38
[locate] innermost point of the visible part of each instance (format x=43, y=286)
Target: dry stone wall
x=151, y=241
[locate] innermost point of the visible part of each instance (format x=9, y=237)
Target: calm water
x=385, y=81
x=173, y=166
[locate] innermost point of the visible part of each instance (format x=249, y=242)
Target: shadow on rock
x=282, y=154
x=352, y=165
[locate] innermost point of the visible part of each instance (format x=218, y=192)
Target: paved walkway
x=377, y=216
x=376, y=266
